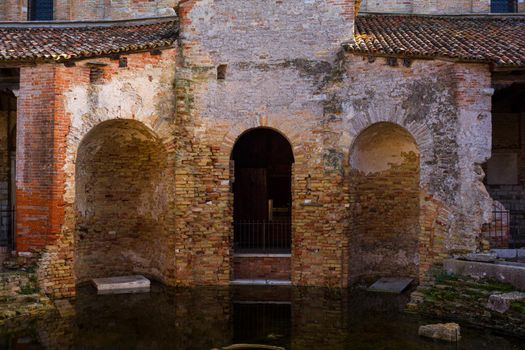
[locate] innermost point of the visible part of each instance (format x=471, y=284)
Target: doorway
x=262, y=188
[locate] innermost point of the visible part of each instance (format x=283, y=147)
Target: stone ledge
x=260, y=282
x=514, y=275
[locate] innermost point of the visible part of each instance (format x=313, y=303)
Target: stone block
x=442, y=331
x=122, y=285
x=502, y=302
x=514, y=275
x=481, y=257
x=390, y=285
x=506, y=253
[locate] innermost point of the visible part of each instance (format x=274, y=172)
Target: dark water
x=208, y=318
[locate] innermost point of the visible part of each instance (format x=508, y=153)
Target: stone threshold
x=252, y=302
x=260, y=282
x=261, y=255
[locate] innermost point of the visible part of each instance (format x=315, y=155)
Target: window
x=503, y=6
x=40, y=10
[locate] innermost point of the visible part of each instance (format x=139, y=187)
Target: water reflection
x=212, y=318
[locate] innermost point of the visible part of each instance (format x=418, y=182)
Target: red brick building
x=203, y=142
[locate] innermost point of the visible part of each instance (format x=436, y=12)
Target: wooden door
x=251, y=194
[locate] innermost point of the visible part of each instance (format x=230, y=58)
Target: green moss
x=441, y=276
x=440, y=294
x=494, y=285
x=31, y=287
x=518, y=306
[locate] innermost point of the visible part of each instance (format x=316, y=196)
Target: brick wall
x=278, y=80
x=120, y=9
x=58, y=106
x=17, y=10
x=13, y=10
x=267, y=268
x=427, y=6
x=285, y=71
x=121, y=201
x=453, y=138
x=385, y=195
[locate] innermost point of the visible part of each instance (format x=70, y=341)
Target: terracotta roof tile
x=58, y=42
x=491, y=39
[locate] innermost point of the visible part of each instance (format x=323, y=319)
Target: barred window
x=40, y=10
x=503, y=6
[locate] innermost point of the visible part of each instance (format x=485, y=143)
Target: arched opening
x=505, y=171
x=121, y=201
x=263, y=161
x=385, y=199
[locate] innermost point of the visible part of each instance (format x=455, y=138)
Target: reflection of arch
x=263, y=161
x=121, y=200
x=384, y=184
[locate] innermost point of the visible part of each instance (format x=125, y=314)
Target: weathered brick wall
x=285, y=71
x=58, y=106
x=267, y=268
x=120, y=9
x=13, y=10
x=427, y=6
x=445, y=109
x=280, y=60
x=17, y=10
x=384, y=188
x=121, y=201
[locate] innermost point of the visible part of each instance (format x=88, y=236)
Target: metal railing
x=262, y=236
x=6, y=227
x=507, y=228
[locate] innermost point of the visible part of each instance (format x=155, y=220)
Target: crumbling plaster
x=142, y=93
x=446, y=108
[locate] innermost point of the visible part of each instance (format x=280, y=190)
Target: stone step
x=122, y=284
x=395, y=285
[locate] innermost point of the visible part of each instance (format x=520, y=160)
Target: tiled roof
x=492, y=39
x=64, y=41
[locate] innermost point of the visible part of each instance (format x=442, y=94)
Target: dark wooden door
x=251, y=194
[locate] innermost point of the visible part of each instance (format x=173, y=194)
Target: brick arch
x=289, y=131
x=430, y=208
x=162, y=129
x=123, y=200
x=386, y=217
x=417, y=129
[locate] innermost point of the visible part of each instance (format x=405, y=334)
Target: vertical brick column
x=34, y=157
x=39, y=179
x=42, y=129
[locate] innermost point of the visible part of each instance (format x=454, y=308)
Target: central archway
x=263, y=161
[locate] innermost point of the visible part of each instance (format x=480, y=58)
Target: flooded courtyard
x=213, y=318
